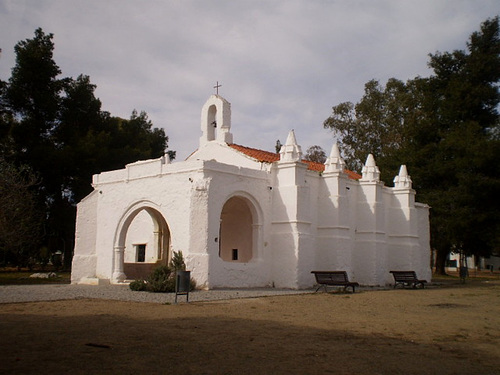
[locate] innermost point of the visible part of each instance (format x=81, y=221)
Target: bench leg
x=319, y=287
x=352, y=286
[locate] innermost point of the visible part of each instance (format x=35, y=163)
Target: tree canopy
x=20, y=219
x=56, y=127
x=446, y=129
x=316, y=154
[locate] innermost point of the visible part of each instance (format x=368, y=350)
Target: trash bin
x=182, y=284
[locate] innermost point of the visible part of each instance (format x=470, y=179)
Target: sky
x=282, y=64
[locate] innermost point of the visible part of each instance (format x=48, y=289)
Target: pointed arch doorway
x=141, y=244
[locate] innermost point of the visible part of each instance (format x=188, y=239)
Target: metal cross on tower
x=216, y=87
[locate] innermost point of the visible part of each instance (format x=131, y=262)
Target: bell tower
x=216, y=121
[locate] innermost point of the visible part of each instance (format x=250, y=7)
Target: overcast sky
x=282, y=64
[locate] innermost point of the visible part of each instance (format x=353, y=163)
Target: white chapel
x=245, y=218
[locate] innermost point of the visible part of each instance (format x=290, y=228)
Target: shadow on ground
x=108, y=343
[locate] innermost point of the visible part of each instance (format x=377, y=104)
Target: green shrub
x=177, y=262
x=162, y=279
x=138, y=285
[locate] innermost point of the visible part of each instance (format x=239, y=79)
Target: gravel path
x=32, y=293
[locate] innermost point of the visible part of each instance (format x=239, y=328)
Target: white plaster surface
x=295, y=221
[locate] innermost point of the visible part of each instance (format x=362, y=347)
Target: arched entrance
x=142, y=242
x=238, y=233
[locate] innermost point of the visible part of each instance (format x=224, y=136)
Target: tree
x=135, y=139
x=377, y=124
x=6, y=124
x=445, y=128
x=316, y=154
x=56, y=127
x=33, y=90
x=33, y=97
x=467, y=97
x=20, y=220
x=91, y=141
x=277, y=146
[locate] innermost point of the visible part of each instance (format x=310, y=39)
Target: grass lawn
x=473, y=275
x=15, y=277
x=11, y=276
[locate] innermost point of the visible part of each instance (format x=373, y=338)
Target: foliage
x=56, y=127
x=33, y=89
x=277, y=146
x=162, y=279
x=445, y=128
x=43, y=257
x=177, y=262
x=20, y=220
x=316, y=154
x=138, y=285
x=379, y=124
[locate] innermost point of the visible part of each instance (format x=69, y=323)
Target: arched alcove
x=142, y=242
x=237, y=230
x=212, y=123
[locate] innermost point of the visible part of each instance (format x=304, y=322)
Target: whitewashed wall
x=302, y=221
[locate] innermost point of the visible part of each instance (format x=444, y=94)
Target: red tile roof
x=352, y=175
x=270, y=157
x=260, y=155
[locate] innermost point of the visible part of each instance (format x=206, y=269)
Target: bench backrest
x=404, y=275
x=331, y=276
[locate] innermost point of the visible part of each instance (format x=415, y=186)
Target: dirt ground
x=439, y=330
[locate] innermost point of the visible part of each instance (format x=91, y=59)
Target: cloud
x=282, y=64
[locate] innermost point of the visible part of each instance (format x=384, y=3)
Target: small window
x=235, y=254
x=140, y=253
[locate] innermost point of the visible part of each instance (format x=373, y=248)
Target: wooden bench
x=407, y=278
x=333, y=278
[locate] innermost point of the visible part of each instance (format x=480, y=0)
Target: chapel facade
x=248, y=218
